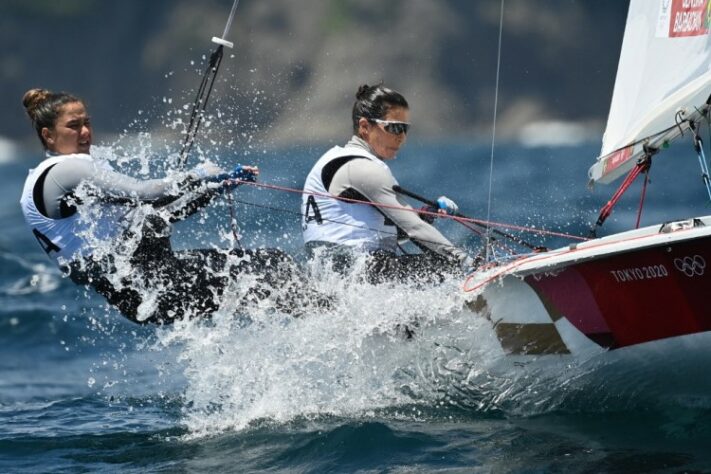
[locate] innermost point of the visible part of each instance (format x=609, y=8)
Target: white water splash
x=349, y=359
x=356, y=359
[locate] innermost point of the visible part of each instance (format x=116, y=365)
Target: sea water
x=343, y=389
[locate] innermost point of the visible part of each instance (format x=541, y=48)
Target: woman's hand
x=244, y=173
x=446, y=206
x=211, y=173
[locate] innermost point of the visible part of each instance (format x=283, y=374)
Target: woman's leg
x=426, y=267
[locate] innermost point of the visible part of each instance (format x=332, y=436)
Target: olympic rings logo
x=691, y=266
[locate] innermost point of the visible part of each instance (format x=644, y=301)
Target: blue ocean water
x=83, y=390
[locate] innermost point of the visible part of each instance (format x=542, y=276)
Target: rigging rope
x=645, y=162
x=200, y=104
x=645, y=139
x=204, y=90
x=363, y=226
x=699, y=147
x=493, y=131
x=400, y=190
x=198, y=111
x=641, y=199
x=408, y=209
x=642, y=165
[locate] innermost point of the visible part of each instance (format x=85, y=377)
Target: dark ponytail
x=374, y=102
x=43, y=108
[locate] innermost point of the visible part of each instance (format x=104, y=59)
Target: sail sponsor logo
x=681, y=18
x=691, y=266
x=651, y=272
x=616, y=158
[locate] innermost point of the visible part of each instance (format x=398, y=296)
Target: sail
x=664, y=68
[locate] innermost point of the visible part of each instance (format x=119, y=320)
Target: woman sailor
x=80, y=210
x=358, y=171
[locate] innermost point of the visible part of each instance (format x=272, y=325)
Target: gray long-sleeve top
x=376, y=184
x=64, y=177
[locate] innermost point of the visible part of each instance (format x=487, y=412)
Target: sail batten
x=664, y=68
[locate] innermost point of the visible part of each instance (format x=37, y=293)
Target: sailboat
x=644, y=285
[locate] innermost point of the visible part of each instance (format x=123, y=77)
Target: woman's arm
x=376, y=183
x=111, y=186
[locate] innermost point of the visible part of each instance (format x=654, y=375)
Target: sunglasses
x=393, y=126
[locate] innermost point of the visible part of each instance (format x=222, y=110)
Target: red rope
x=641, y=200
x=606, y=210
x=461, y=220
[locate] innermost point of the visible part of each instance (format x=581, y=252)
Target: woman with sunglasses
x=349, y=202
x=112, y=232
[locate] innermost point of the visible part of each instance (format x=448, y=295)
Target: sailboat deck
x=652, y=236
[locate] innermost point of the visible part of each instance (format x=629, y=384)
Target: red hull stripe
x=635, y=297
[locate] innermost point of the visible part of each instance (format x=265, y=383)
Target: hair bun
x=363, y=91
x=33, y=98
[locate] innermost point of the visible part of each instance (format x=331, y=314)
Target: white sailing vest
x=62, y=239
x=325, y=219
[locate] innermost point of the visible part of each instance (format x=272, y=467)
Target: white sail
x=664, y=68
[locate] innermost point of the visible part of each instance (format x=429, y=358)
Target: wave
x=74, y=433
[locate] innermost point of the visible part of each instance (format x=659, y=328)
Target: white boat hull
x=623, y=290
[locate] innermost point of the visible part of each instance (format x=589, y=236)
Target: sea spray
x=352, y=357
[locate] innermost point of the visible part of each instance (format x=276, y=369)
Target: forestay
x=664, y=68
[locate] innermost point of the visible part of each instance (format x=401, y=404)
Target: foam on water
x=345, y=360
x=356, y=358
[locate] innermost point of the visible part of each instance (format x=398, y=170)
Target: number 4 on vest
x=46, y=244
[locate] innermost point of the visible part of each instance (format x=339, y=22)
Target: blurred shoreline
x=293, y=72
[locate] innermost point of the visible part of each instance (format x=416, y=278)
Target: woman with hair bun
x=89, y=239
x=358, y=171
